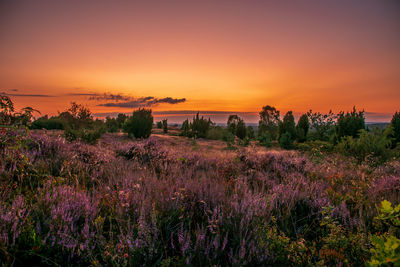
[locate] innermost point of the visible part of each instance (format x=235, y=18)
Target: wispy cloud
x=25, y=95
x=143, y=102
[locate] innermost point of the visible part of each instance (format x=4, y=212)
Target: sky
x=216, y=57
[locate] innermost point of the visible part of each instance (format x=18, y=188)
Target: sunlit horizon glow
x=219, y=56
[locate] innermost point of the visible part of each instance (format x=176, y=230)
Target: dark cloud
x=143, y=102
x=113, y=97
x=26, y=95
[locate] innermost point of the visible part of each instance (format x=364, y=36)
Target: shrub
x=288, y=125
x=349, y=124
x=250, y=132
x=216, y=133
x=286, y=141
x=52, y=123
x=374, y=145
x=111, y=125
x=200, y=126
x=322, y=125
x=165, y=125
x=264, y=138
x=139, y=125
x=185, y=129
x=395, y=123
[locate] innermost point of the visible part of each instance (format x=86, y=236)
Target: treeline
x=345, y=132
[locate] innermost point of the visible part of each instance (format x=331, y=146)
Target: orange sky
x=217, y=55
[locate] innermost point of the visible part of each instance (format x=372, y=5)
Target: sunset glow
x=234, y=56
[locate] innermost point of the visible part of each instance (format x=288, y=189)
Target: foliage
x=139, y=125
x=52, y=123
x=395, y=123
x=198, y=128
x=303, y=125
x=165, y=125
x=374, y=146
x=216, y=133
x=269, y=120
x=250, y=132
x=322, y=125
x=264, y=138
x=349, y=124
x=111, y=125
x=386, y=247
x=159, y=124
x=286, y=141
x=185, y=129
x=287, y=125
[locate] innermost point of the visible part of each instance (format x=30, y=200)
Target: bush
x=52, y=123
x=285, y=141
x=395, y=123
x=250, y=132
x=165, y=125
x=216, y=133
x=374, y=145
x=264, y=138
x=349, y=124
x=159, y=125
x=139, y=125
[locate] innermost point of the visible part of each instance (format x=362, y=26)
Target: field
x=169, y=201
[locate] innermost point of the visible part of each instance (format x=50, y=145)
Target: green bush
x=216, y=133
x=395, y=123
x=264, y=138
x=159, y=124
x=349, y=124
x=52, y=123
x=373, y=145
x=285, y=141
x=165, y=125
x=139, y=125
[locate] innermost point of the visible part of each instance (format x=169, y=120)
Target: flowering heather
x=150, y=202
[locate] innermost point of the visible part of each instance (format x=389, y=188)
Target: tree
x=165, y=125
x=121, y=119
x=288, y=125
x=185, y=129
x=302, y=128
x=159, y=125
x=111, y=125
x=241, y=130
x=139, y=125
x=350, y=124
x=237, y=126
x=200, y=126
x=250, y=132
x=233, y=120
x=322, y=125
x=269, y=120
x=395, y=123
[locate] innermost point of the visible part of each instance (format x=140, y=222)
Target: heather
x=174, y=203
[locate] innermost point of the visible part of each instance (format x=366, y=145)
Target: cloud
x=143, y=102
x=113, y=97
x=26, y=95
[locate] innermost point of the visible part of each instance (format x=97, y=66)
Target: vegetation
x=139, y=125
x=125, y=202
x=269, y=121
x=302, y=128
x=165, y=125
